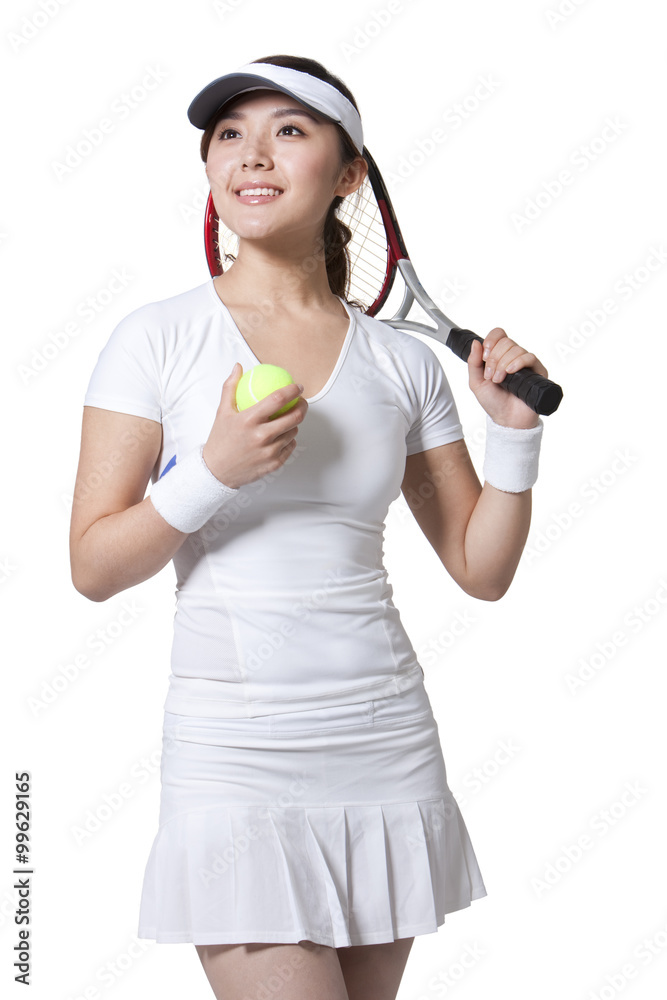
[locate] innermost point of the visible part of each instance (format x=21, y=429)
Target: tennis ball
x=258, y=382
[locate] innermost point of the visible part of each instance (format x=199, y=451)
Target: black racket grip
x=539, y=393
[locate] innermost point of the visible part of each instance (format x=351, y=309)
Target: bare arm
x=478, y=532
x=117, y=538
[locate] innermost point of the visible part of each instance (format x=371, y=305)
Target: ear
x=352, y=177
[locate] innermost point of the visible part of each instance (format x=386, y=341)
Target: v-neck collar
x=341, y=357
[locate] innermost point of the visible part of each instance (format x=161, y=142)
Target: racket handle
x=537, y=392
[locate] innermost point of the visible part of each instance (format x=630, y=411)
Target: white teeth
x=255, y=192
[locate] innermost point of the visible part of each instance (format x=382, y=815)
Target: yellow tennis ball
x=258, y=382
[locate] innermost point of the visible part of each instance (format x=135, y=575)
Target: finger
x=283, y=396
x=475, y=365
x=265, y=408
x=285, y=427
x=498, y=367
x=508, y=356
x=498, y=355
x=527, y=360
x=495, y=355
x=292, y=417
x=516, y=359
x=499, y=351
x=228, y=396
x=491, y=340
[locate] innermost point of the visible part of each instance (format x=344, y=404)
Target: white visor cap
x=308, y=90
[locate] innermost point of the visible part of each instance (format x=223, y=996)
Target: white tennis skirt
x=334, y=825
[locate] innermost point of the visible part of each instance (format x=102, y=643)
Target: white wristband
x=511, y=456
x=189, y=494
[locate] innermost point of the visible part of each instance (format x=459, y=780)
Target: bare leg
x=301, y=971
x=374, y=971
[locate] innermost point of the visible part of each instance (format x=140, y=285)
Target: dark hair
x=336, y=234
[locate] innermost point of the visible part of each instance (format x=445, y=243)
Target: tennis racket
x=377, y=253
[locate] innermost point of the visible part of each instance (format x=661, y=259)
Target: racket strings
x=367, y=248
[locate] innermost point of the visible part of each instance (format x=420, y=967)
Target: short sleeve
x=435, y=417
x=126, y=376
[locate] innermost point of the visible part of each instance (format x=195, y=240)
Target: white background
x=592, y=585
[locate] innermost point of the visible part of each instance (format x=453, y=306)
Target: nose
x=255, y=152
x=252, y=162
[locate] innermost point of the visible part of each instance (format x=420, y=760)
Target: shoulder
x=421, y=386
x=176, y=309
x=410, y=357
x=158, y=330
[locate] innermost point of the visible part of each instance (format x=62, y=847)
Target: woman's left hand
x=488, y=364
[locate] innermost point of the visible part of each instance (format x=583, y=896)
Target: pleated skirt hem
x=274, y=937
x=367, y=874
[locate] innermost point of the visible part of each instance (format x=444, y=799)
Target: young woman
x=307, y=832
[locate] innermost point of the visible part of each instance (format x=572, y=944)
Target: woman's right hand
x=244, y=446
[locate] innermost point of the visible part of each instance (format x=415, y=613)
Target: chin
x=245, y=232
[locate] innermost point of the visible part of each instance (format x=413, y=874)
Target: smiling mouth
x=259, y=192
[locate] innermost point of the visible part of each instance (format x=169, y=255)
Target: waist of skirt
x=207, y=698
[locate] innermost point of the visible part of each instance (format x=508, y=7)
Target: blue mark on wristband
x=168, y=466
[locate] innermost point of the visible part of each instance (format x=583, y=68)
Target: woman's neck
x=293, y=276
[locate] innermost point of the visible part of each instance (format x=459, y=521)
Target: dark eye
x=223, y=132
x=294, y=129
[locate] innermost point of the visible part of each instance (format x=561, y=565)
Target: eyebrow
x=278, y=113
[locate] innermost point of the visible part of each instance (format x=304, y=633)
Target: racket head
x=375, y=246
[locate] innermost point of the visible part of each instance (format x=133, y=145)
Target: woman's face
x=265, y=140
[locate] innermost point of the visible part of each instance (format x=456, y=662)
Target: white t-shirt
x=282, y=599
